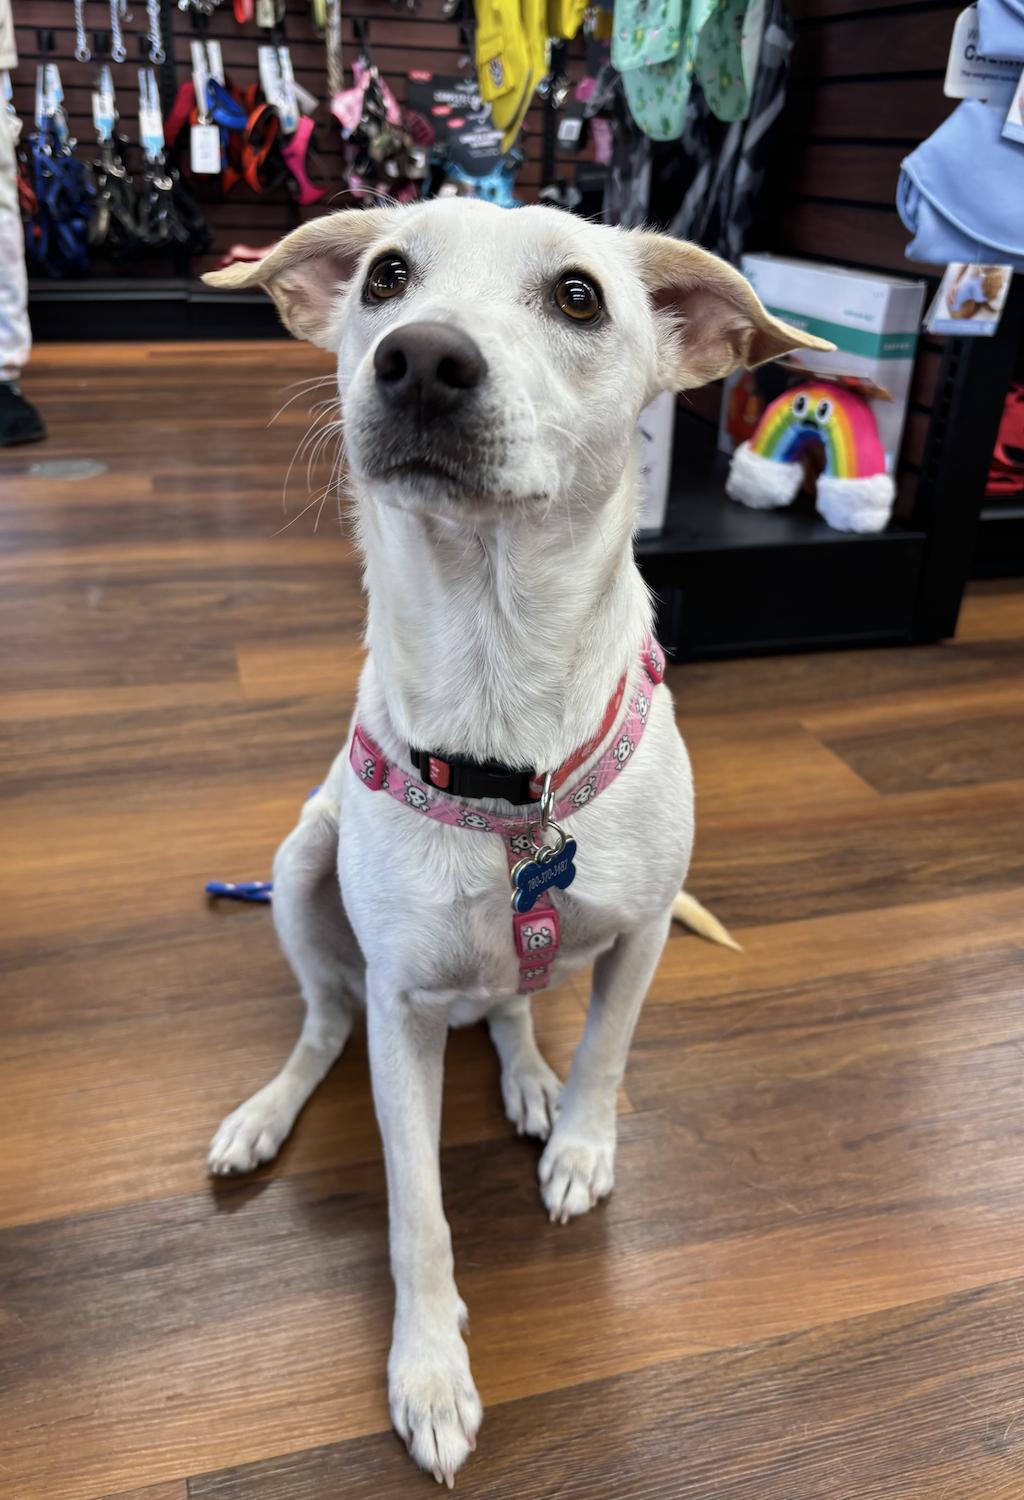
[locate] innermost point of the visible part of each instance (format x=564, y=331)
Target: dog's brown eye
x=577, y=297
x=388, y=277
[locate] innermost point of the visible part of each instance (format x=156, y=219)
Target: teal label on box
x=853, y=340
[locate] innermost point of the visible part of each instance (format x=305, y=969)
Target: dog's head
x=488, y=359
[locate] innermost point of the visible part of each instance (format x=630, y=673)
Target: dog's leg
x=577, y=1167
x=530, y=1089
x=434, y=1404
x=321, y=948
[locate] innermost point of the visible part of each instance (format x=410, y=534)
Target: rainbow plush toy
x=854, y=493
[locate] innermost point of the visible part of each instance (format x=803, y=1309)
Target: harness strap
x=294, y=153
x=535, y=933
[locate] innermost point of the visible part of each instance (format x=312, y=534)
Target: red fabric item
x=1006, y=474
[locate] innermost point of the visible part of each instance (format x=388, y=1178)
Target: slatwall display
x=401, y=39
x=865, y=89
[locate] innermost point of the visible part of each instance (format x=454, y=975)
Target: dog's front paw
x=251, y=1135
x=575, y=1171
x=531, y=1092
x=434, y=1405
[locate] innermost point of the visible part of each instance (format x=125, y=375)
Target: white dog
x=491, y=367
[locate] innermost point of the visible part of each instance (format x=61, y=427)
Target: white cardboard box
x=872, y=319
x=655, y=429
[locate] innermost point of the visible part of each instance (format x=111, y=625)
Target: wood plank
x=904, y=849
x=821, y=10
x=866, y=236
x=992, y=612
x=896, y=42
x=870, y=109
x=808, y=1278
x=937, y=754
x=174, y=1489
x=863, y=171
x=861, y=1410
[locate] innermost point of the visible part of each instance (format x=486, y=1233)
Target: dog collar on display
x=534, y=866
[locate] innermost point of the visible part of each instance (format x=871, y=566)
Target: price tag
x=201, y=80
x=267, y=14
x=215, y=60
x=972, y=76
x=1013, y=129
x=278, y=83
x=204, y=149
x=970, y=300
x=307, y=102
x=104, y=111
x=151, y=120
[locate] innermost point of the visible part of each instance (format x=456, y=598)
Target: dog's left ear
x=306, y=271
x=711, y=319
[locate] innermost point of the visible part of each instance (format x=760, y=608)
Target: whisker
x=298, y=517
x=308, y=388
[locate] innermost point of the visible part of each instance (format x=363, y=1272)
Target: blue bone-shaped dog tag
x=532, y=877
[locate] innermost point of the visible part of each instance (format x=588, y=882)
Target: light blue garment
x=961, y=193
x=1001, y=28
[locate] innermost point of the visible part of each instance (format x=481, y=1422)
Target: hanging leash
x=56, y=235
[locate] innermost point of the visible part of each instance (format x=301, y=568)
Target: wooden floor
x=809, y=1282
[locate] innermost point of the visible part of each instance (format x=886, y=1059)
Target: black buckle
x=473, y=778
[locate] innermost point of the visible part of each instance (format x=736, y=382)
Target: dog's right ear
x=305, y=271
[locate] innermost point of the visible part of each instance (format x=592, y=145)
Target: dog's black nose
x=429, y=366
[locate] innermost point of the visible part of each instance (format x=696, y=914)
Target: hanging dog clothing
x=727, y=168
x=960, y=193
x=727, y=53
x=658, y=90
x=1001, y=28
x=510, y=59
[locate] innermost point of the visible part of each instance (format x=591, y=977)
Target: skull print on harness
x=535, y=925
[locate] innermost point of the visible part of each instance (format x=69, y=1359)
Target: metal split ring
x=545, y=851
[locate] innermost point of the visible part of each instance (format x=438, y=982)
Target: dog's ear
x=711, y=319
x=305, y=271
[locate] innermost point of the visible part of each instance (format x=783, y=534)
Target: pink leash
x=535, y=931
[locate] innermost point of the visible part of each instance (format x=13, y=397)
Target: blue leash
x=258, y=891
x=240, y=890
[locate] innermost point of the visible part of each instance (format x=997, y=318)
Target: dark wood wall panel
x=891, y=109
x=865, y=171
x=850, y=232
x=908, y=40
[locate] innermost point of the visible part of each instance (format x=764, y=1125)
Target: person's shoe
x=19, y=420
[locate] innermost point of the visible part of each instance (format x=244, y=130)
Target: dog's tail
x=688, y=910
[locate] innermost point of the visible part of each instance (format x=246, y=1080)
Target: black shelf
x=729, y=580
x=177, y=307
x=1000, y=548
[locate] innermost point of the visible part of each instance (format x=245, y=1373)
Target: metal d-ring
x=543, y=849
x=547, y=802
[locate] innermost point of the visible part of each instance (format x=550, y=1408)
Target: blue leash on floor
x=245, y=890
x=240, y=890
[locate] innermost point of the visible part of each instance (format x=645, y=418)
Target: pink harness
x=535, y=932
